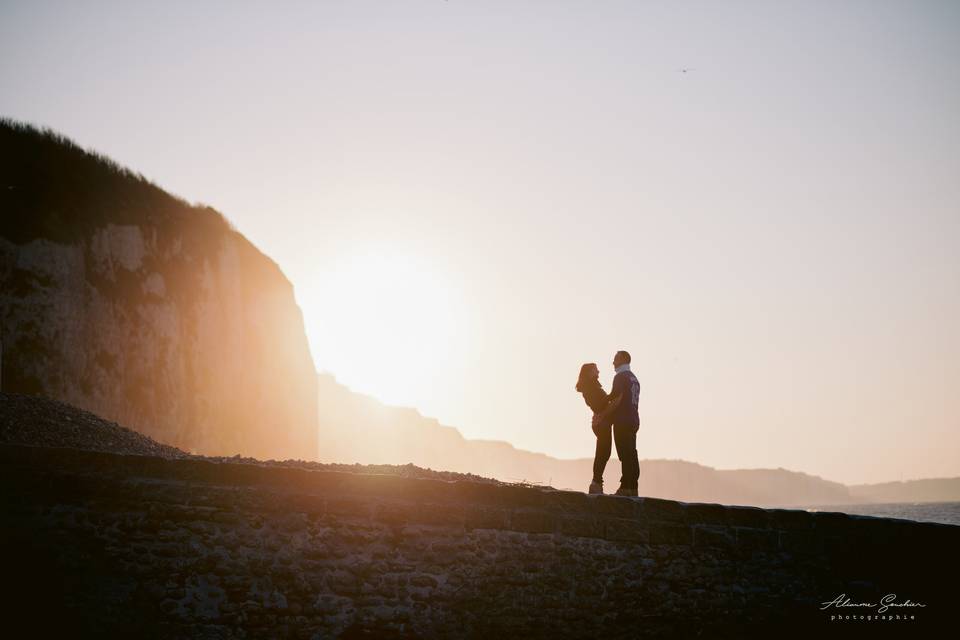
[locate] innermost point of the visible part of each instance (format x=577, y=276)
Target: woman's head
x=588, y=373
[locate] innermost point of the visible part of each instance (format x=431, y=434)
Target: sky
x=473, y=198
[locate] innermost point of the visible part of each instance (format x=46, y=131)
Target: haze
x=473, y=198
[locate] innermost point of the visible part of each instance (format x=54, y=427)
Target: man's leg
x=625, y=437
x=602, y=455
x=634, y=461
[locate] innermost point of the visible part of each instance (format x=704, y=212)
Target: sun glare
x=383, y=324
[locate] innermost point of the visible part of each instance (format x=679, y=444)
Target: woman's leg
x=602, y=455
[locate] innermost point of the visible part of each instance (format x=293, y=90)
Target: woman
x=588, y=384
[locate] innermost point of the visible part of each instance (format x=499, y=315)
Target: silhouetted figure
x=588, y=384
x=625, y=396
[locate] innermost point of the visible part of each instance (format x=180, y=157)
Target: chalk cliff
x=123, y=300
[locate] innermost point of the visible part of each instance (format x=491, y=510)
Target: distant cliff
x=123, y=300
x=930, y=490
x=357, y=428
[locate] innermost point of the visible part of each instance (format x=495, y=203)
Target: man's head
x=621, y=357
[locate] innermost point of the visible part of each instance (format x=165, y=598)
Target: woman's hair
x=585, y=376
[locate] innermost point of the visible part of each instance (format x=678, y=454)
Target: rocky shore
x=116, y=535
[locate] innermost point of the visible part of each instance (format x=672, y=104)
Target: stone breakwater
x=105, y=544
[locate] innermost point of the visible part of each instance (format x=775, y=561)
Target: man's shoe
x=623, y=491
x=595, y=487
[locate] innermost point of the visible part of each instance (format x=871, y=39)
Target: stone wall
x=103, y=544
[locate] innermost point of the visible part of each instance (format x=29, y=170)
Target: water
x=943, y=512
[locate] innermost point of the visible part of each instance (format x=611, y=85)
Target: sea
x=943, y=512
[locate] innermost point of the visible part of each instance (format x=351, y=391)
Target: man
x=625, y=396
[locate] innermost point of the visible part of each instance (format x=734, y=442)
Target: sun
x=384, y=323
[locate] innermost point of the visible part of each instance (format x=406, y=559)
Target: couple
x=619, y=411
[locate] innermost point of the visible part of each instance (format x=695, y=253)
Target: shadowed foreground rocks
x=44, y=422
x=104, y=544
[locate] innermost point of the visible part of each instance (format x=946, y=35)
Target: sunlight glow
x=387, y=324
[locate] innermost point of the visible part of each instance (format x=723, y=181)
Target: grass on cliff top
x=53, y=189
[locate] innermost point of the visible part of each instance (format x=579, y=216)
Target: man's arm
x=618, y=390
x=611, y=406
